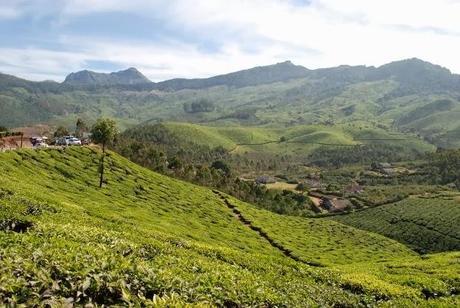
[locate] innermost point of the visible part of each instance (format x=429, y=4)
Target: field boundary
x=238, y=215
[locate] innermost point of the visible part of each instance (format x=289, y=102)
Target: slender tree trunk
x=102, y=166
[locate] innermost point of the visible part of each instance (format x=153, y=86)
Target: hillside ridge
x=276, y=72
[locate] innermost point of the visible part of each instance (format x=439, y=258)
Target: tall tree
x=80, y=128
x=103, y=132
x=61, y=131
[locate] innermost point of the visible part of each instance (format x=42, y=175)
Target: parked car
x=73, y=141
x=35, y=140
x=68, y=140
x=41, y=144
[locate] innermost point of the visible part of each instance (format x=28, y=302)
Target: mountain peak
x=124, y=77
x=128, y=70
x=287, y=62
x=414, y=68
x=415, y=63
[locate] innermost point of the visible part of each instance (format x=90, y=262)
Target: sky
x=164, y=39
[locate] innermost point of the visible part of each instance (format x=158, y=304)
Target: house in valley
x=353, y=188
x=334, y=204
x=386, y=169
x=265, y=179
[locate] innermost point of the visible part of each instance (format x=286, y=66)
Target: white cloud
x=40, y=64
x=8, y=12
x=248, y=33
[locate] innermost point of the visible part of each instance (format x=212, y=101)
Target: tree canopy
x=104, y=131
x=61, y=131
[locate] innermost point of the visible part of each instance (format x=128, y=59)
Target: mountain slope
x=402, y=95
x=146, y=238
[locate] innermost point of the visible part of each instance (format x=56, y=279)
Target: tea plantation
x=425, y=224
x=146, y=239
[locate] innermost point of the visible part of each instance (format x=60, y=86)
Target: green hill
x=299, y=140
x=146, y=238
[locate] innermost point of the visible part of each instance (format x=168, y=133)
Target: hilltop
x=129, y=76
x=146, y=238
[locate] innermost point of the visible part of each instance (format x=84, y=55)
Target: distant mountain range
x=409, y=95
x=411, y=72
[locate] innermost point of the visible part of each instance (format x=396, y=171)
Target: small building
x=265, y=179
x=335, y=204
x=313, y=184
x=314, y=176
x=353, y=188
x=383, y=166
x=386, y=169
x=389, y=171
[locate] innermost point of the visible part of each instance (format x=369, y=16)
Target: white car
x=73, y=141
x=41, y=144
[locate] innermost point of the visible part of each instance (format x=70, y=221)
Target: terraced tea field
x=300, y=140
x=426, y=225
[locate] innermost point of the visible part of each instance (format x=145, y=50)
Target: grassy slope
x=145, y=234
x=321, y=241
x=424, y=224
x=386, y=266
x=301, y=139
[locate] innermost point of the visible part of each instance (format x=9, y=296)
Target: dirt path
x=292, y=142
x=288, y=253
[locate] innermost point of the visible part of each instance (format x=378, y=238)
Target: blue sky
x=47, y=39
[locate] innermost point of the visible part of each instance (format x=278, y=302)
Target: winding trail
x=238, y=215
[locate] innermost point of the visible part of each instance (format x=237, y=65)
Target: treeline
x=201, y=105
x=361, y=154
x=9, y=134
x=444, y=167
x=155, y=147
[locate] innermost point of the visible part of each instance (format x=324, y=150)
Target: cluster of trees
x=247, y=114
x=444, y=167
x=362, y=154
x=201, y=105
x=80, y=129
